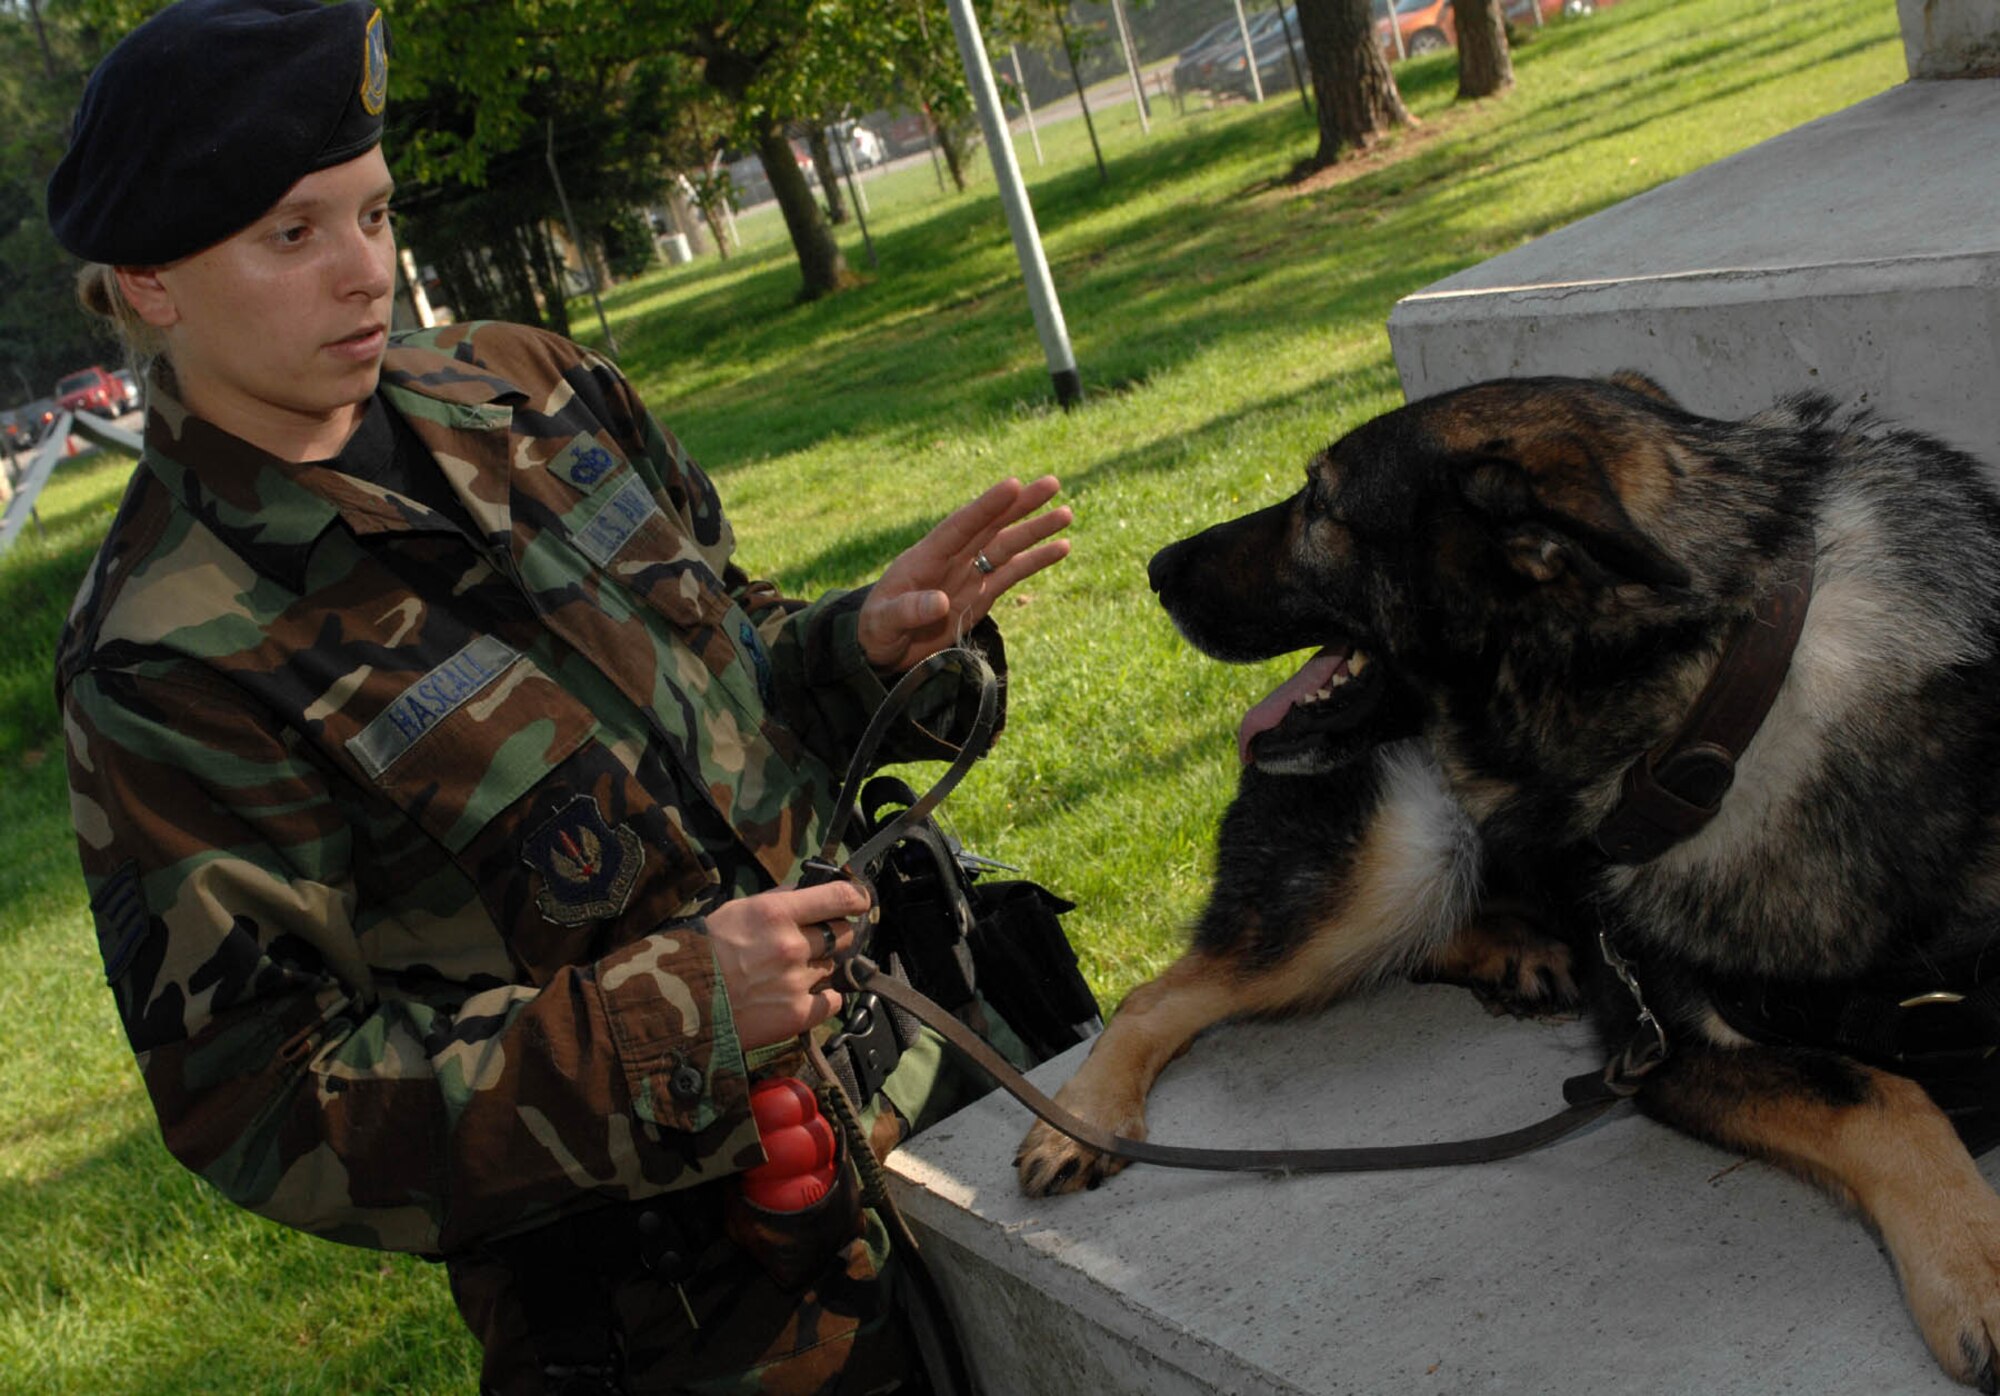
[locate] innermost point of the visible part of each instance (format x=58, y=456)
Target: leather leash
x=978, y=737
x=1590, y=1095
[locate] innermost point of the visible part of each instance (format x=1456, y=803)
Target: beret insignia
x=375, y=66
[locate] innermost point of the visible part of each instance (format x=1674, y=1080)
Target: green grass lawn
x=1227, y=325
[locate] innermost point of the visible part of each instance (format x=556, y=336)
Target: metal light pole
x=1249, y=52
x=854, y=192
x=1020, y=216
x=1027, y=109
x=1132, y=66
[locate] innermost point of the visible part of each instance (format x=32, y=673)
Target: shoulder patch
x=583, y=463
x=587, y=867
x=375, y=66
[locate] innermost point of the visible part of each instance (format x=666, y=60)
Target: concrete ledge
x=1950, y=38
x=1857, y=256
x=1628, y=1258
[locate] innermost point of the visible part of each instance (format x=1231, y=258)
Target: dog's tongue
x=1268, y=713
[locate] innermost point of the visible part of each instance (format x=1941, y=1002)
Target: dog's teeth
x=1356, y=662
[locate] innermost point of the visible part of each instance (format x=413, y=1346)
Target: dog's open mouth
x=1314, y=719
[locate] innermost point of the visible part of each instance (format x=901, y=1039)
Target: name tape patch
x=428, y=701
x=623, y=514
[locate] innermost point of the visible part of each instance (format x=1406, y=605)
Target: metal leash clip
x=1648, y=1046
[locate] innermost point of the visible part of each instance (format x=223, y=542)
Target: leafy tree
x=1358, y=100
x=44, y=57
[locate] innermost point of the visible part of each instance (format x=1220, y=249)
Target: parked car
x=131, y=386
x=1188, y=65
x=905, y=133
x=26, y=425
x=1522, y=12
x=1427, y=25
x=1218, y=66
x=1274, y=40
x=91, y=389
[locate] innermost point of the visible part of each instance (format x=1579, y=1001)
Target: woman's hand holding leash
x=944, y=584
x=776, y=952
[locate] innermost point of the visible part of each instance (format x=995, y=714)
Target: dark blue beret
x=201, y=118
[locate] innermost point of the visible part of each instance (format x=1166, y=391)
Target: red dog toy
x=798, y=1147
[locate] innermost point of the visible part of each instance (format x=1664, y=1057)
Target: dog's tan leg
x=1154, y=1024
x=1876, y=1142
x=1396, y=899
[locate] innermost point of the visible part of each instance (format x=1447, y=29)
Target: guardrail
x=43, y=464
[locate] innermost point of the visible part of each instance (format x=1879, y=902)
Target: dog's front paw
x=1510, y=964
x=1953, y=1284
x=1050, y=1162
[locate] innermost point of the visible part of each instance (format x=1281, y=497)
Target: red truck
x=91, y=389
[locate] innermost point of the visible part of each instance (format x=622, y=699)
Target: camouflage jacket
x=397, y=840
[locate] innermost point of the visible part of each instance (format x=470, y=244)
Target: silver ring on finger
x=983, y=564
x=828, y=935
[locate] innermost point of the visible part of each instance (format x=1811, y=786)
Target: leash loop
x=977, y=739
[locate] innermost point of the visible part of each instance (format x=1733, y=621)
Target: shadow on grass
x=37, y=846
x=942, y=333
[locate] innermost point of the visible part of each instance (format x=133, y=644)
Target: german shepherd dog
x=1515, y=592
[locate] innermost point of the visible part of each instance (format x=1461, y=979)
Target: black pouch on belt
x=955, y=933
x=793, y=1247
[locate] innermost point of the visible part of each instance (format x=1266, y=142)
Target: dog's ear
x=1560, y=514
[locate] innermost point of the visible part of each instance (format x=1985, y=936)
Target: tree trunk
x=548, y=267
x=1358, y=100
x=463, y=287
x=829, y=175
x=1485, y=66
x=951, y=140
x=511, y=262
x=820, y=262
x=713, y=217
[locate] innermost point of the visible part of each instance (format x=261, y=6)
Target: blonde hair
x=98, y=292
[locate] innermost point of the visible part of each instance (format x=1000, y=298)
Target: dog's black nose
x=1160, y=571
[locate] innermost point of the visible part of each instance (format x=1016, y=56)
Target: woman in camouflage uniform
x=438, y=775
